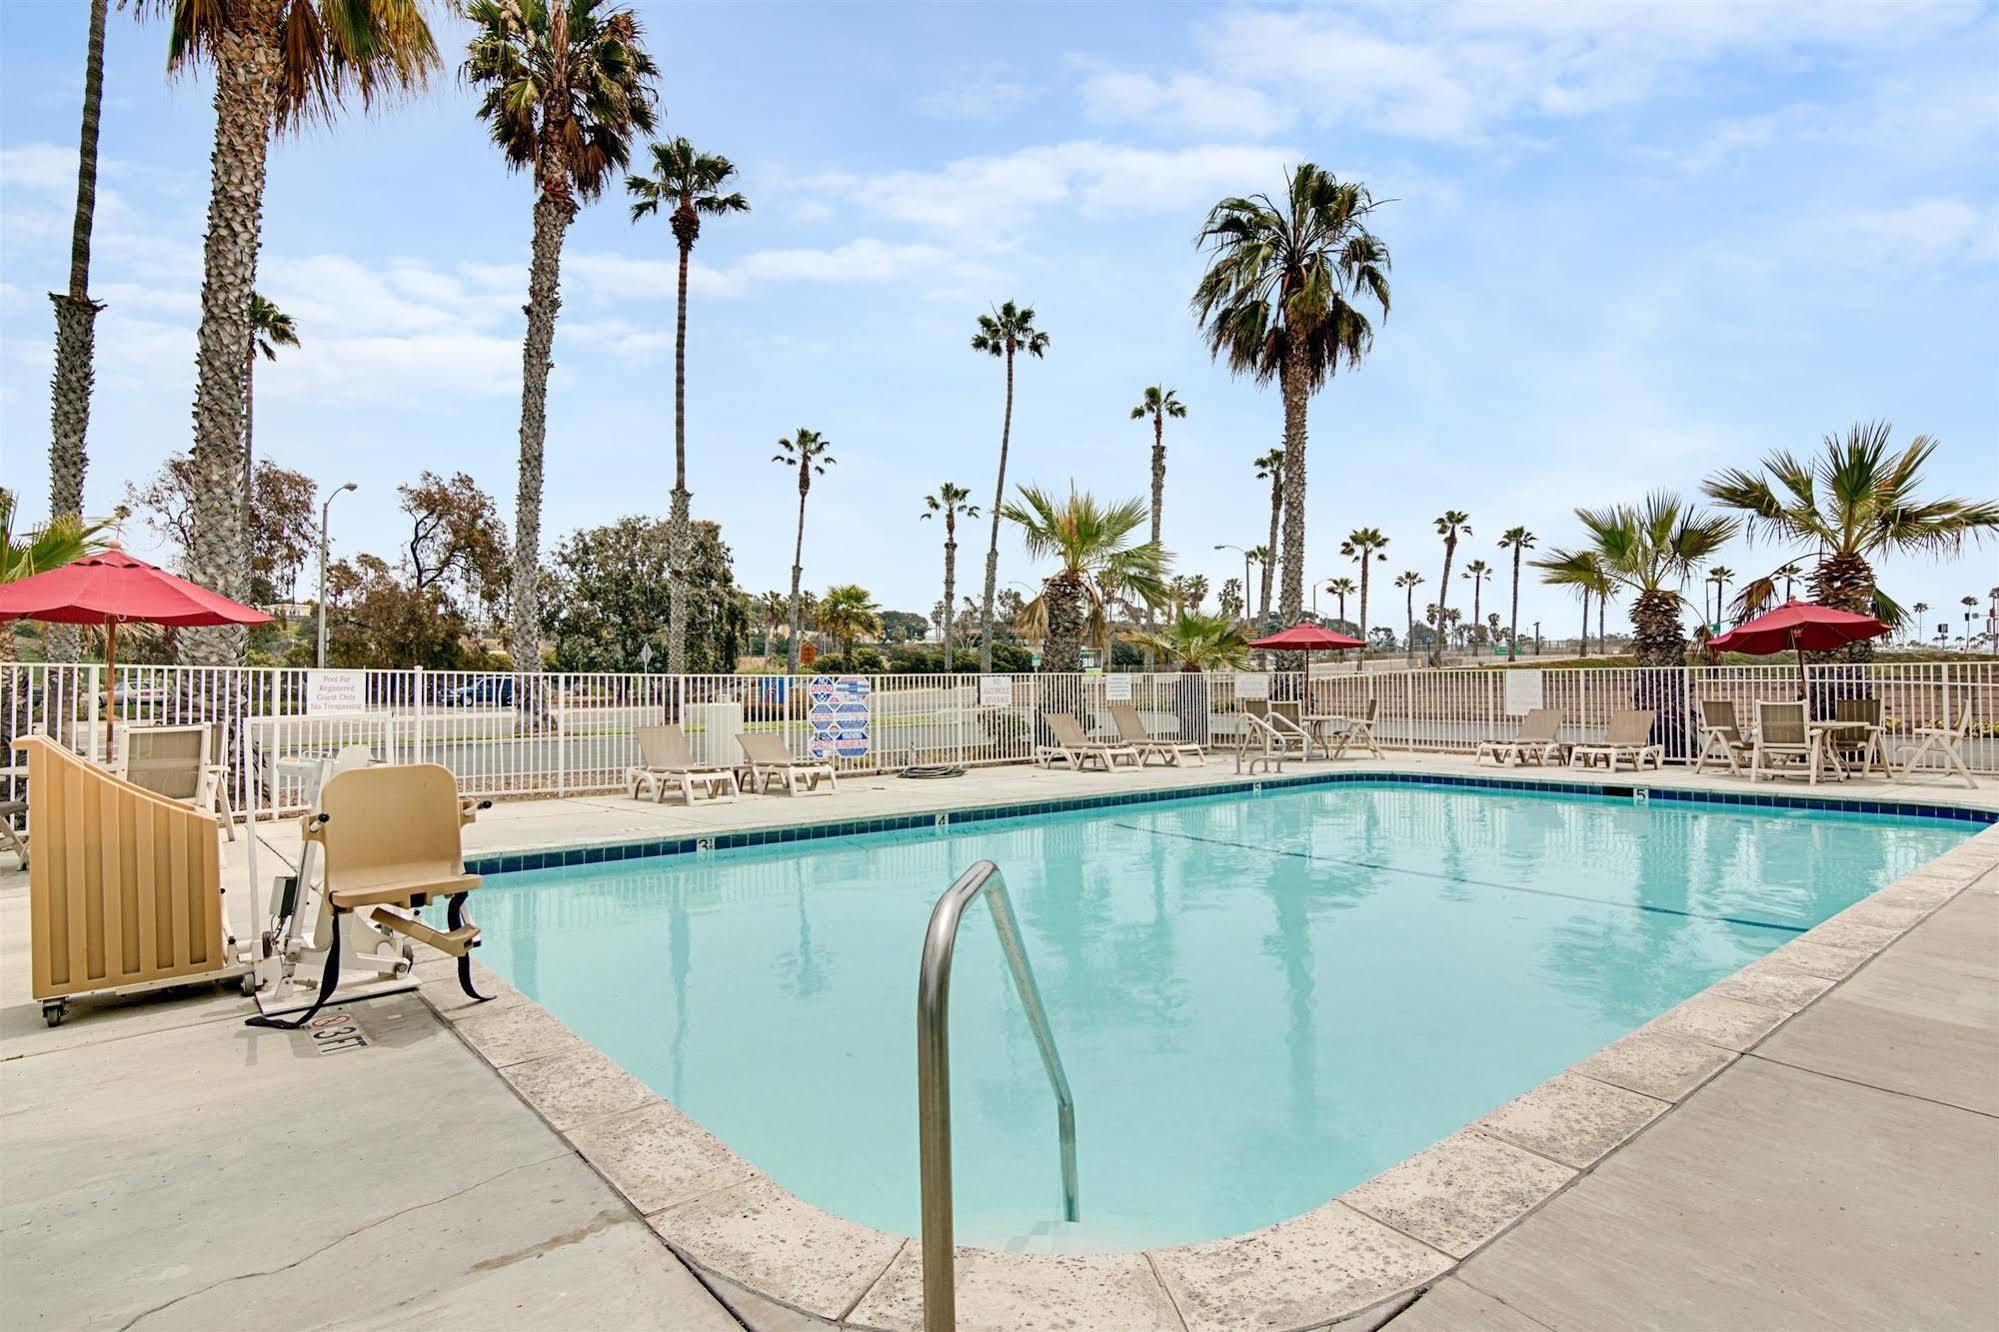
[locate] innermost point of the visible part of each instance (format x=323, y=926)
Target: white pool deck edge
x=1357, y=1257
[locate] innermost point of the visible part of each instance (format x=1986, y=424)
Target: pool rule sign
x=839, y=708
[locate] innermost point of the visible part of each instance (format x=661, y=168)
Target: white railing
x=566, y=733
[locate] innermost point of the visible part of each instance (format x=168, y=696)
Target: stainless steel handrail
x=933, y=1076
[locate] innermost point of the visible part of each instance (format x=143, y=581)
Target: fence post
x=414, y=751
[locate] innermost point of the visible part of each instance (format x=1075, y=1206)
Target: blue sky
x=1632, y=243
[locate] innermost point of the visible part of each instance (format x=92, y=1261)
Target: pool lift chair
x=390, y=841
x=1268, y=737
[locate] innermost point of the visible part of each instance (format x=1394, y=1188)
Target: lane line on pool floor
x=1477, y=883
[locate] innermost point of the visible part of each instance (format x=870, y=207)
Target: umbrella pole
x=110, y=693
x=1804, y=693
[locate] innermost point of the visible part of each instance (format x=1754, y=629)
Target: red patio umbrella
x=112, y=588
x=1801, y=627
x=1306, y=638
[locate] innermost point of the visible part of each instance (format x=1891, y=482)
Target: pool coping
x=1356, y=1258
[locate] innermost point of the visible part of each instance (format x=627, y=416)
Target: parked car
x=495, y=691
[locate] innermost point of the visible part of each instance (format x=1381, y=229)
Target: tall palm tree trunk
x=678, y=524
x=1513, y=625
x=992, y=551
x=1269, y=577
x=1291, y=592
x=1656, y=636
x=1064, y=598
x=1602, y=639
x=1584, y=640
x=1844, y=582
x=1158, y=510
x=246, y=95
x=249, y=464
x=950, y=583
x=554, y=209
x=1409, y=612
x=797, y=573
x=1443, y=604
x=1477, y=606
x=1360, y=657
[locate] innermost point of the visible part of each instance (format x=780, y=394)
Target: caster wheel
x=249, y=983
x=53, y=1012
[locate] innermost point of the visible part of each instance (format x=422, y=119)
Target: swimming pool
x=1262, y=1000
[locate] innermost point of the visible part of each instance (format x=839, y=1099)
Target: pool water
x=1261, y=1000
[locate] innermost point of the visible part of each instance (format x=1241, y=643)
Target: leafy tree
x=283, y=534
x=278, y=64
x=685, y=184
x=903, y=626
x=1649, y=548
x=613, y=593
x=949, y=501
x=457, y=544
x=1518, y=540
x=1097, y=560
x=1004, y=333
x=375, y=618
x=1229, y=599
x=806, y=450
x=564, y=88
x=848, y=614
x=1854, y=505
x=1363, y=546
x=1280, y=302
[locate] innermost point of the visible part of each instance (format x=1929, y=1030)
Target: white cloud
x=988, y=94
x=865, y=259
x=1185, y=103
x=1924, y=233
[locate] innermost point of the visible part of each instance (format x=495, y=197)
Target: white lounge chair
x=1722, y=739
x=1346, y=730
x=1784, y=743
x=1075, y=748
x=666, y=763
x=1534, y=742
x=1943, y=740
x=772, y=763
x=178, y=763
x=1629, y=735
x=1131, y=729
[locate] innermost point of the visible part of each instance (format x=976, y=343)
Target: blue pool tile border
x=558, y=857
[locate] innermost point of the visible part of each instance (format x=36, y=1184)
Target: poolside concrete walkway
x=1843, y=1174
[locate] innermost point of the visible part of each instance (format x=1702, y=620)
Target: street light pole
x=319, y=658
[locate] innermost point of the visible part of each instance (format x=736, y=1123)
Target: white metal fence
x=568, y=733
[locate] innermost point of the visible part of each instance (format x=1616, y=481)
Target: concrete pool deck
x=1838, y=1170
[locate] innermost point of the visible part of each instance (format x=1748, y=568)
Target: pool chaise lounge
x=1073, y=746
x=667, y=763
x=771, y=763
x=1629, y=736
x=1131, y=729
x=1534, y=743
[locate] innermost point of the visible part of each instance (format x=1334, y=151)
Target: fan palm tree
x=684, y=184
x=848, y=613
x=566, y=85
x=278, y=64
x=1342, y=588
x=1855, y=504
x=270, y=329
x=1409, y=580
x=1719, y=576
x=76, y=313
x=1477, y=572
x=1279, y=302
x=1198, y=642
x=1790, y=573
x=1650, y=549
x=1363, y=545
x=1156, y=404
x=1005, y=332
x=949, y=501
x=1097, y=560
x=1517, y=540
x=1451, y=525
x=807, y=451
x=1270, y=467
x=1918, y=610
x=55, y=543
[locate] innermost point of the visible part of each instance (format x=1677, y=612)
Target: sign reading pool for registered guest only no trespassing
x=329, y=692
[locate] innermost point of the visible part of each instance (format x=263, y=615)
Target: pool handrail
x=933, y=1075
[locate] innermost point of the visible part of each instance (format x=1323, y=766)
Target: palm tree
x=1277, y=302
x=1270, y=467
x=278, y=64
x=1719, y=576
x=1157, y=403
x=1477, y=571
x=270, y=329
x=1790, y=573
x=1409, y=580
x=1450, y=526
x=566, y=87
x=807, y=451
x=1199, y=642
x=848, y=613
x=1342, y=588
x=949, y=501
x=1855, y=504
x=1003, y=333
x=1918, y=610
x=1097, y=560
x=1515, y=539
x=1649, y=548
x=1581, y=570
x=1265, y=559
x=1361, y=545
x=76, y=313
x=774, y=607
x=1970, y=604
x=686, y=184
